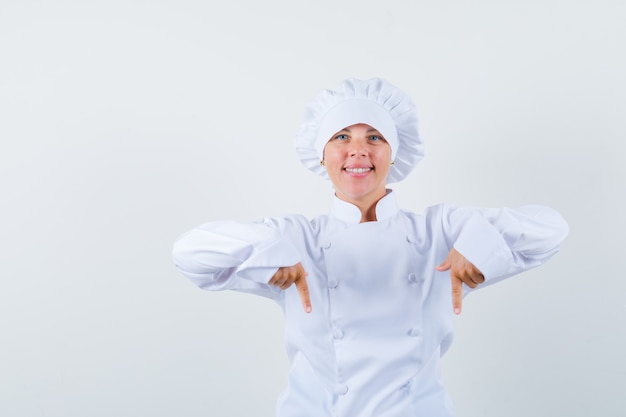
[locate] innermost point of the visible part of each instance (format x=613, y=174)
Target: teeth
x=358, y=170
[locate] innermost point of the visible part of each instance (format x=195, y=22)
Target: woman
x=366, y=290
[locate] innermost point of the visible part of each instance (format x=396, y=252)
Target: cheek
x=383, y=151
x=384, y=156
x=327, y=153
x=332, y=156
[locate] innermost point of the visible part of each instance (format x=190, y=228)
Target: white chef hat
x=374, y=102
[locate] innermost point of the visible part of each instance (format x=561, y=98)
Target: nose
x=358, y=149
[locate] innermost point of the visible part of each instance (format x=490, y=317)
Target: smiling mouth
x=358, y=170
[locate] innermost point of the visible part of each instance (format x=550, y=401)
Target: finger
x=457, y=294
x=445, y=265
x=472, y=274
x=474, y=278
x=468, y=280
x=274, y=281
x=278, y=280
x=303, y=290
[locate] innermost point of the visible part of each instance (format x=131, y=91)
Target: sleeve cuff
x=262, y=266
x=484, y=247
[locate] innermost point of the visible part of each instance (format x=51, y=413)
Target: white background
x=125, y=123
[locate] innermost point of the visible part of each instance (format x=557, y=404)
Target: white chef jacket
x=382, y=315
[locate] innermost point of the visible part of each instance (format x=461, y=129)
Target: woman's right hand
x=287, y=275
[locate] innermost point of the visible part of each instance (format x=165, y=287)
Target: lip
x=358, y=171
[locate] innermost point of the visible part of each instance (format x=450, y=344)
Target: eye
x=341, y=137
x=376, y=138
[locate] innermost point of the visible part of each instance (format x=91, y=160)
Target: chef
x=369, y=290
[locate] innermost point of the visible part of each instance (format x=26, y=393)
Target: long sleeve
x=230, y=255
x=504, y=242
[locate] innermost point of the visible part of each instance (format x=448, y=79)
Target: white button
x=337, y=333
x=412, y=278
x=341, y=389
x=332, y=283
x=325, y=243
x=414, y=332
x=410, y=239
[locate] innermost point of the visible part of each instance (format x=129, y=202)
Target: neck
x=369, y=215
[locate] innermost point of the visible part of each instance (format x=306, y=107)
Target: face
x=358, y=159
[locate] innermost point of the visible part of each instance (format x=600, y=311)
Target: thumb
x=447, y=264
x=444, y=266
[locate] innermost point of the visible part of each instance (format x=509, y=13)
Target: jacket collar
x=349, y=213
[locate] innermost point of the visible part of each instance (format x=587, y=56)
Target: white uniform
x=382, y=315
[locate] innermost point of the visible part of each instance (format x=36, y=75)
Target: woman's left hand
x=461, y=271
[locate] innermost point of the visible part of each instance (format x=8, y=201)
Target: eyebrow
x=368, y=130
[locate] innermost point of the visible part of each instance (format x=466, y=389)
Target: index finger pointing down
x=457, y=294
x=303, y=290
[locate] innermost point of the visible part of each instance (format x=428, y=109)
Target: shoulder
x=430, y=213
x=296, y=222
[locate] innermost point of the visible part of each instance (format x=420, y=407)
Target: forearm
x=219, y=255
x=504, y=242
